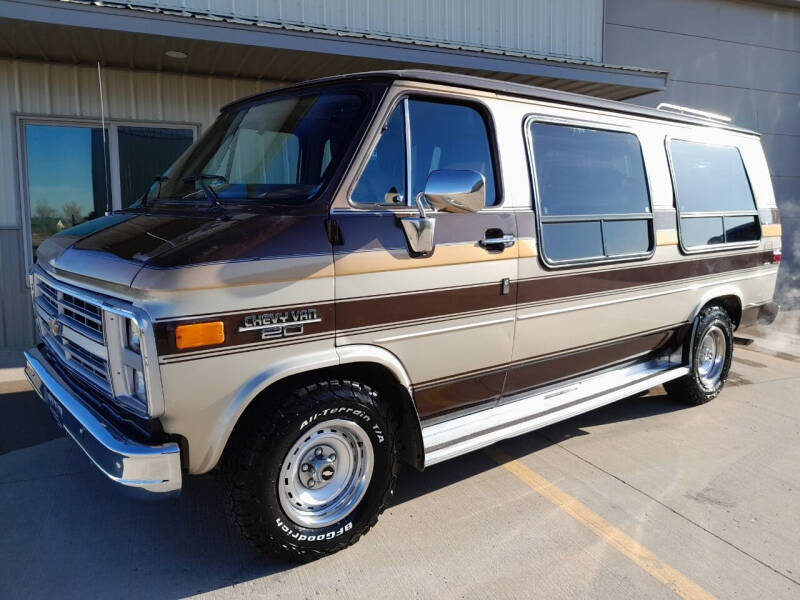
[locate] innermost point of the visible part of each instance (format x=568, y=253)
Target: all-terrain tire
x=254, y=462
x=704, y=383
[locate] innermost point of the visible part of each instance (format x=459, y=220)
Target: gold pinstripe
x=527, y=248
x=377, y=261
x=667, y=237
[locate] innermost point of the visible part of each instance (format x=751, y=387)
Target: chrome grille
x=87, y=360
x=72, y=310
x=72, y=328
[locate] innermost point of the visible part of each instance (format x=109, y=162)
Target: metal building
x=166, y=66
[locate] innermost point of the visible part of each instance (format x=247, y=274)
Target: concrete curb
x=12, y=375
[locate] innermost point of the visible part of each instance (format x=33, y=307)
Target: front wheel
x=712, y=352
x=308, y=475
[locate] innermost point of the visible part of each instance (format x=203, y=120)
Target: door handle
x=498, y=242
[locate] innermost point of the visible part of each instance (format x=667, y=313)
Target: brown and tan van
x=406, y=265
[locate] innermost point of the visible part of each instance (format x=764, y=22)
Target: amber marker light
x=199, y=334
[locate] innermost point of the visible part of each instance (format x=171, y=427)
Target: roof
x=203, y=11
x=504, y=87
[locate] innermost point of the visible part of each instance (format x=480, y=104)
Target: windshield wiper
x=202, y=179
x=159, y=179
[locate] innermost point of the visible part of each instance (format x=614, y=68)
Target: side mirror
x=447, y=190
x=456, y=191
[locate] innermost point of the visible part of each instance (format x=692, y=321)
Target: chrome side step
x=473, y=431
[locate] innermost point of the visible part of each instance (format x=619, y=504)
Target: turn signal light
x=776, y=257
x=199, y=334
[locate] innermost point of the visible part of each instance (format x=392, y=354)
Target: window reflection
x=384, y=178
x=449, y=136
x=710, y=178
x=68, y=177
x=702, y=231
x=595, y=178
x=145, y=152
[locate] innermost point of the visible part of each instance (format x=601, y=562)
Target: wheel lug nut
x=332, y=457
x=318, y=452
x=305, y=467
x=310, y=483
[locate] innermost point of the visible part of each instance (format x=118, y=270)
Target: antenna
x=685, y=110
x=105, y=142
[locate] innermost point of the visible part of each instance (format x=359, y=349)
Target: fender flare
x=718, y=291
x=278, y=371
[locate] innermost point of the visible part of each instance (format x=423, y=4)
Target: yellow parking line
x=633, y=550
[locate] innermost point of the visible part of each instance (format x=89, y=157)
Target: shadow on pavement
x=27, y=421
x=414, y=483
x=68, y=533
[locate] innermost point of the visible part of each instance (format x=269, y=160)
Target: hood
x=116, y=247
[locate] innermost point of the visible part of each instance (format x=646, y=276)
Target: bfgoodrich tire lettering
x=261, y=453
x=712, y=351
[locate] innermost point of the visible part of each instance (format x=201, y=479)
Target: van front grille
x=72, y=310
x=72, y=328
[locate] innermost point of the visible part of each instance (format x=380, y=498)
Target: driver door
x=447, y=315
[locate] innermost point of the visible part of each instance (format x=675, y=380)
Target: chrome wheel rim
x=325, y=473
x=711, y=357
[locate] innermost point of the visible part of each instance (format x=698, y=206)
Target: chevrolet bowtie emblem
x=55, y=326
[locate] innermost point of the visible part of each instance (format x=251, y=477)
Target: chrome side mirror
x=446, y=190
x=456, y=191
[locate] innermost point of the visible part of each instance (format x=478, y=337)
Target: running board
x=473, y=431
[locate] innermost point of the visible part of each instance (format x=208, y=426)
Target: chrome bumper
x=148, y=469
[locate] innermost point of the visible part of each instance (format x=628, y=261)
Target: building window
x=714, y=199
x=145, y=152
x=67, y=169
x=593, y=201
x=75, y=171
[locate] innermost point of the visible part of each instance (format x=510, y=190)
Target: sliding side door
x=591, y=299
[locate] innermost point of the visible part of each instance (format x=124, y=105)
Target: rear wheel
x=309, y=475
x=712, y=351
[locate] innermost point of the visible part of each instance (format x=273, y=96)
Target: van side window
x=593, y=201
x=714, y=199
x=449, y=136
x=384, y=178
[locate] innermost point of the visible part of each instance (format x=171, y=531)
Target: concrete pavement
x=711, y=492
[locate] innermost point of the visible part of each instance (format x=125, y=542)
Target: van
x=396, y=266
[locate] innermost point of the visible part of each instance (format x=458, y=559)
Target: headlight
x=134, y=336
x=139, y=386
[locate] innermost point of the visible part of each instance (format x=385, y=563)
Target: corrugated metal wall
x=33, y=89
x=739, y=59
x=565, y=28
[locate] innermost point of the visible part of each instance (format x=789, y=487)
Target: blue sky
x=59, y=161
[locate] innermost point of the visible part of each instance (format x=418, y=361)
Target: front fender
x=297, y=365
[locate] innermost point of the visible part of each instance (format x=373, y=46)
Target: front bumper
x=147, y=469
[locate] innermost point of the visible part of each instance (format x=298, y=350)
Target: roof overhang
x=119, y=36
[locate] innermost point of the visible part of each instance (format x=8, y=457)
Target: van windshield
x=282, y=150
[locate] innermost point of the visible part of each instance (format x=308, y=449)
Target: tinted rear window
x=710, y=178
